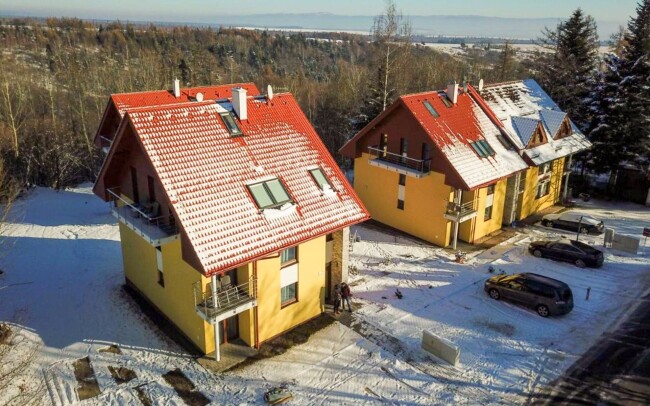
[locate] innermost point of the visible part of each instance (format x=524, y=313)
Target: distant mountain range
x=434, y=25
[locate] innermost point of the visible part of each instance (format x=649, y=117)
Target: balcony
x=155, y=229
x=460, y=212
x=414, y=167
x=229, y=300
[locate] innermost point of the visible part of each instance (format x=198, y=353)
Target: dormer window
x=269, y=194
x=230, y=123
x=482, y=148
x=320, y=178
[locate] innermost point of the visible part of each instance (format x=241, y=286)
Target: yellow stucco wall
x=425, y=201
x=478, y=227
x=531, y=205
x=273, y=319
x=176, y=298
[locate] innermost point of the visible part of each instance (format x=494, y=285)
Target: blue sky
x=200, y=10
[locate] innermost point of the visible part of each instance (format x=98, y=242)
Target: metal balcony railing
x=229, y=300
x=421, y=166
x=460, y=212
x=142, y=218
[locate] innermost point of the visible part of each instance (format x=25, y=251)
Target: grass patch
x=185, y=388
x=121, y=374
x=87, y=382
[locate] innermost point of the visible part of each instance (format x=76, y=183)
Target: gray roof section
x=525, y=128
x=552, y=120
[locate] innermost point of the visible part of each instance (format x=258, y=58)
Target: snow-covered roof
x=205, y=171
x=526, y=99
x=457, y=128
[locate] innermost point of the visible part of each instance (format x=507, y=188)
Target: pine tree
x=570, y=68
x=620, y=129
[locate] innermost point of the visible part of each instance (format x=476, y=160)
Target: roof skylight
x=429, y=107
x=230, y=123
x=269, y=194
x=482, y=148
x=320, y=178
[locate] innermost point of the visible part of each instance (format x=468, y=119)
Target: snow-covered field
x=61, y=289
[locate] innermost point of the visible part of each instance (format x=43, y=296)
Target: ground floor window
x=289, y=283
x=488, y=213
x=400, y=204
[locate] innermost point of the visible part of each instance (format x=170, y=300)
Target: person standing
x=337, y=298
x=345, y=296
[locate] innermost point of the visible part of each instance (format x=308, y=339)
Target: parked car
x=547, y=296
x=573, y=221
x=576, y=252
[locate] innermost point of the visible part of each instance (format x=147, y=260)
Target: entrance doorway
x=231, y=327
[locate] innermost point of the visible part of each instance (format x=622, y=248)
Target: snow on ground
x=62, y=288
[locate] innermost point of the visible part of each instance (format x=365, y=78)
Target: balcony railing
x=460, y=212
x=417, y=166
x=229, y=300
x=143, y=219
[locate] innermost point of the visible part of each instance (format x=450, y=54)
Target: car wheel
x=580, y=263
x=584, y=230
x=542, y=310
x=547, y=223
x=537, y=253
x=494, y=294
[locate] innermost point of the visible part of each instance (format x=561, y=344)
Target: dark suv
x=547, y=296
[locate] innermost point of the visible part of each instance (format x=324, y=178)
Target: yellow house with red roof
x=435, y=165
x=233, y=216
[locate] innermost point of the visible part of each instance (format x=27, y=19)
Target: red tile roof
x=125, y=101
x=204, y=172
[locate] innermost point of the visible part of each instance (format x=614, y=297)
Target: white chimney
x=480, y=85
x=177, y=88
x=452, y=92
x=239, y=103
x=199, y=97
x=269, y=92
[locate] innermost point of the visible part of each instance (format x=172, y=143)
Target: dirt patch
x=281, y=344
x=142, y=396
x=87, y=382
x=121, y=374
x=5, y=333
x=185, y=388
x=506, y=329
x=113, y=349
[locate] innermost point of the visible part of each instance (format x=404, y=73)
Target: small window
x=288, y=256
x=320, y=178
x=161, y=278
x=446, y=100
x=270, y=193
x=403, y=146
x=490, y=190
x=289, y=294
x=230, y=123
x=429, y=107
x=482, y=148
x=329, y=237
x=488, y=213
x=400, y=204
x=542, y=189
x=402, y=179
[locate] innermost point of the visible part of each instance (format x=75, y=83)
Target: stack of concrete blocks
x=440, y=347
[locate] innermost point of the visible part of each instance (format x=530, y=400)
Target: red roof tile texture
x=204, y=171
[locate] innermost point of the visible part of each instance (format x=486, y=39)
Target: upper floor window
x=270, y=193
x=230, y=123
x=288, y=256
x=490, y=190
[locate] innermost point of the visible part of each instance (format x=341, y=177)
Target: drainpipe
x=459, y=196
x=217, y=352
x=255, y=320
x=566, y=181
